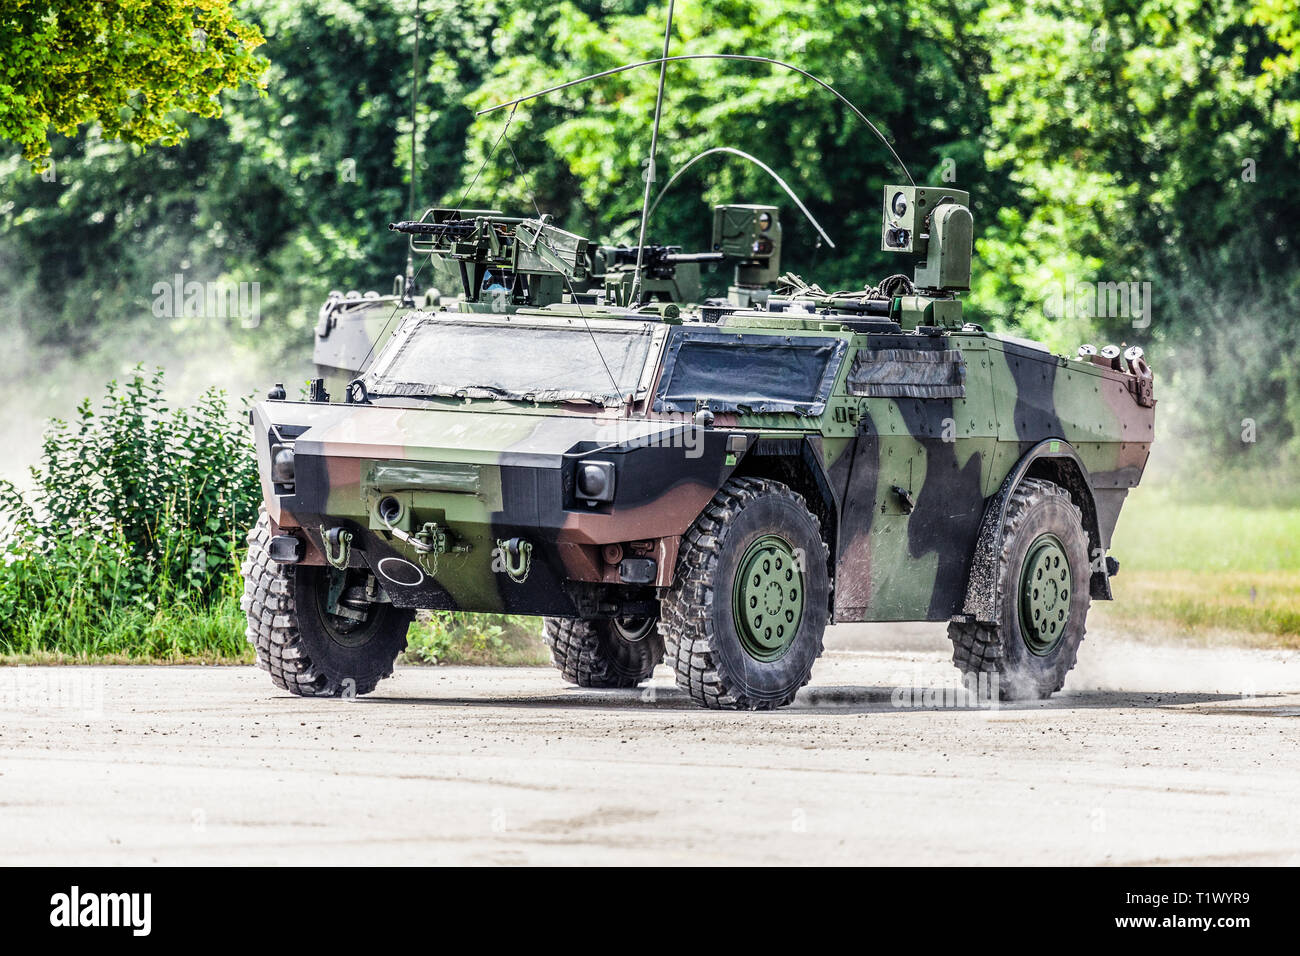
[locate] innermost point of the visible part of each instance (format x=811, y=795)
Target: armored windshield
x=748, y=372
x=525, y=358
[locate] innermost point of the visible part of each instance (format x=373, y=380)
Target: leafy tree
x=1155, y=140
x=129, y=65
x=292, y=189
x=578, y=153
x=1146, y=139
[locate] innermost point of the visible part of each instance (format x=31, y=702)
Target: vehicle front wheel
x=318, y=631
x=744, y=620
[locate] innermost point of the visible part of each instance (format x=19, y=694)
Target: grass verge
x=191, y=633
x=182, y=632
x=1206, y=573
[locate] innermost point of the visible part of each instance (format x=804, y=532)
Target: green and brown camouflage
x=549, y=458
x=565, y=433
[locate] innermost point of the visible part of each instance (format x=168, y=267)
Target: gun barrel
x=412, y=228
x=658, y=256
x=452, y=227
x=677, y=258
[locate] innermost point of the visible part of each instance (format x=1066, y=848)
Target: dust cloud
x=48, y=380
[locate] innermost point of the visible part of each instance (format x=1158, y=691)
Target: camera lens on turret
x=898, y=238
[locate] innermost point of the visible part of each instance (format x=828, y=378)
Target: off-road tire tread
x=686, y=613
x=580, y=658
x=978, y=648
x=269, y=603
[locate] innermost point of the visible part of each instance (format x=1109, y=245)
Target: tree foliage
x=1144, y=139
x=134, y=67
x=1119, y=140
x=579, y=154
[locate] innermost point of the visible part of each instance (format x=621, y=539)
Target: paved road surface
x=1152, y=755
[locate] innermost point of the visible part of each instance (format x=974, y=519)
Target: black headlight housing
x=594, y=481
x=282, y=468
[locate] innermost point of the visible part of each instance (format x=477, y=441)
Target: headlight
x=899, y=205
x=282, y=464
x=595, y=480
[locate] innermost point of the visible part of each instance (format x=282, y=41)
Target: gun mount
x=498, y=262
x=748, y=236
x=751, y=237
x=669, y=275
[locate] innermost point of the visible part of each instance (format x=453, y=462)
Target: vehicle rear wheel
x=745, y=617
x=318, y=631
x=619, y=652
x=1043, y=574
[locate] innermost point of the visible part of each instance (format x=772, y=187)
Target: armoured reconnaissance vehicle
x=709, y=487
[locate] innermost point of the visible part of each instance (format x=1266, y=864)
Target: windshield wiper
x=497, y=390
x=540, y=395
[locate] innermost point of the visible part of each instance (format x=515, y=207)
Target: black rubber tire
x=294, y=642
x=1036, y=507
x=599, y=653
x=703, y=646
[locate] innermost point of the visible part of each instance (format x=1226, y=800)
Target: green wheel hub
x=1045, y=583
x=767, y=598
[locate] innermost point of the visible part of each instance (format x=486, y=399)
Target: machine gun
x=659, y=262
x=747, y=236
x=497, y=263
x=669, y=275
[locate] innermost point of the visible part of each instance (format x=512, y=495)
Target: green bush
x=135, y=520
x=464, y=638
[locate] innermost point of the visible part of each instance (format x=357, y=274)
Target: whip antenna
x=635, y=296
x=408, y=287
x=415, y=98
x=742, y=57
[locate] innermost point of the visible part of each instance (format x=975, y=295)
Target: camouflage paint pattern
x=905, y=476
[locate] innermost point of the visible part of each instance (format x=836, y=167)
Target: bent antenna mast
x=757, y=162
x=662, y=62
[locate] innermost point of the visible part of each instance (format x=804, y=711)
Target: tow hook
x=431, y=539
x=514, y=557
x=338, y=546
